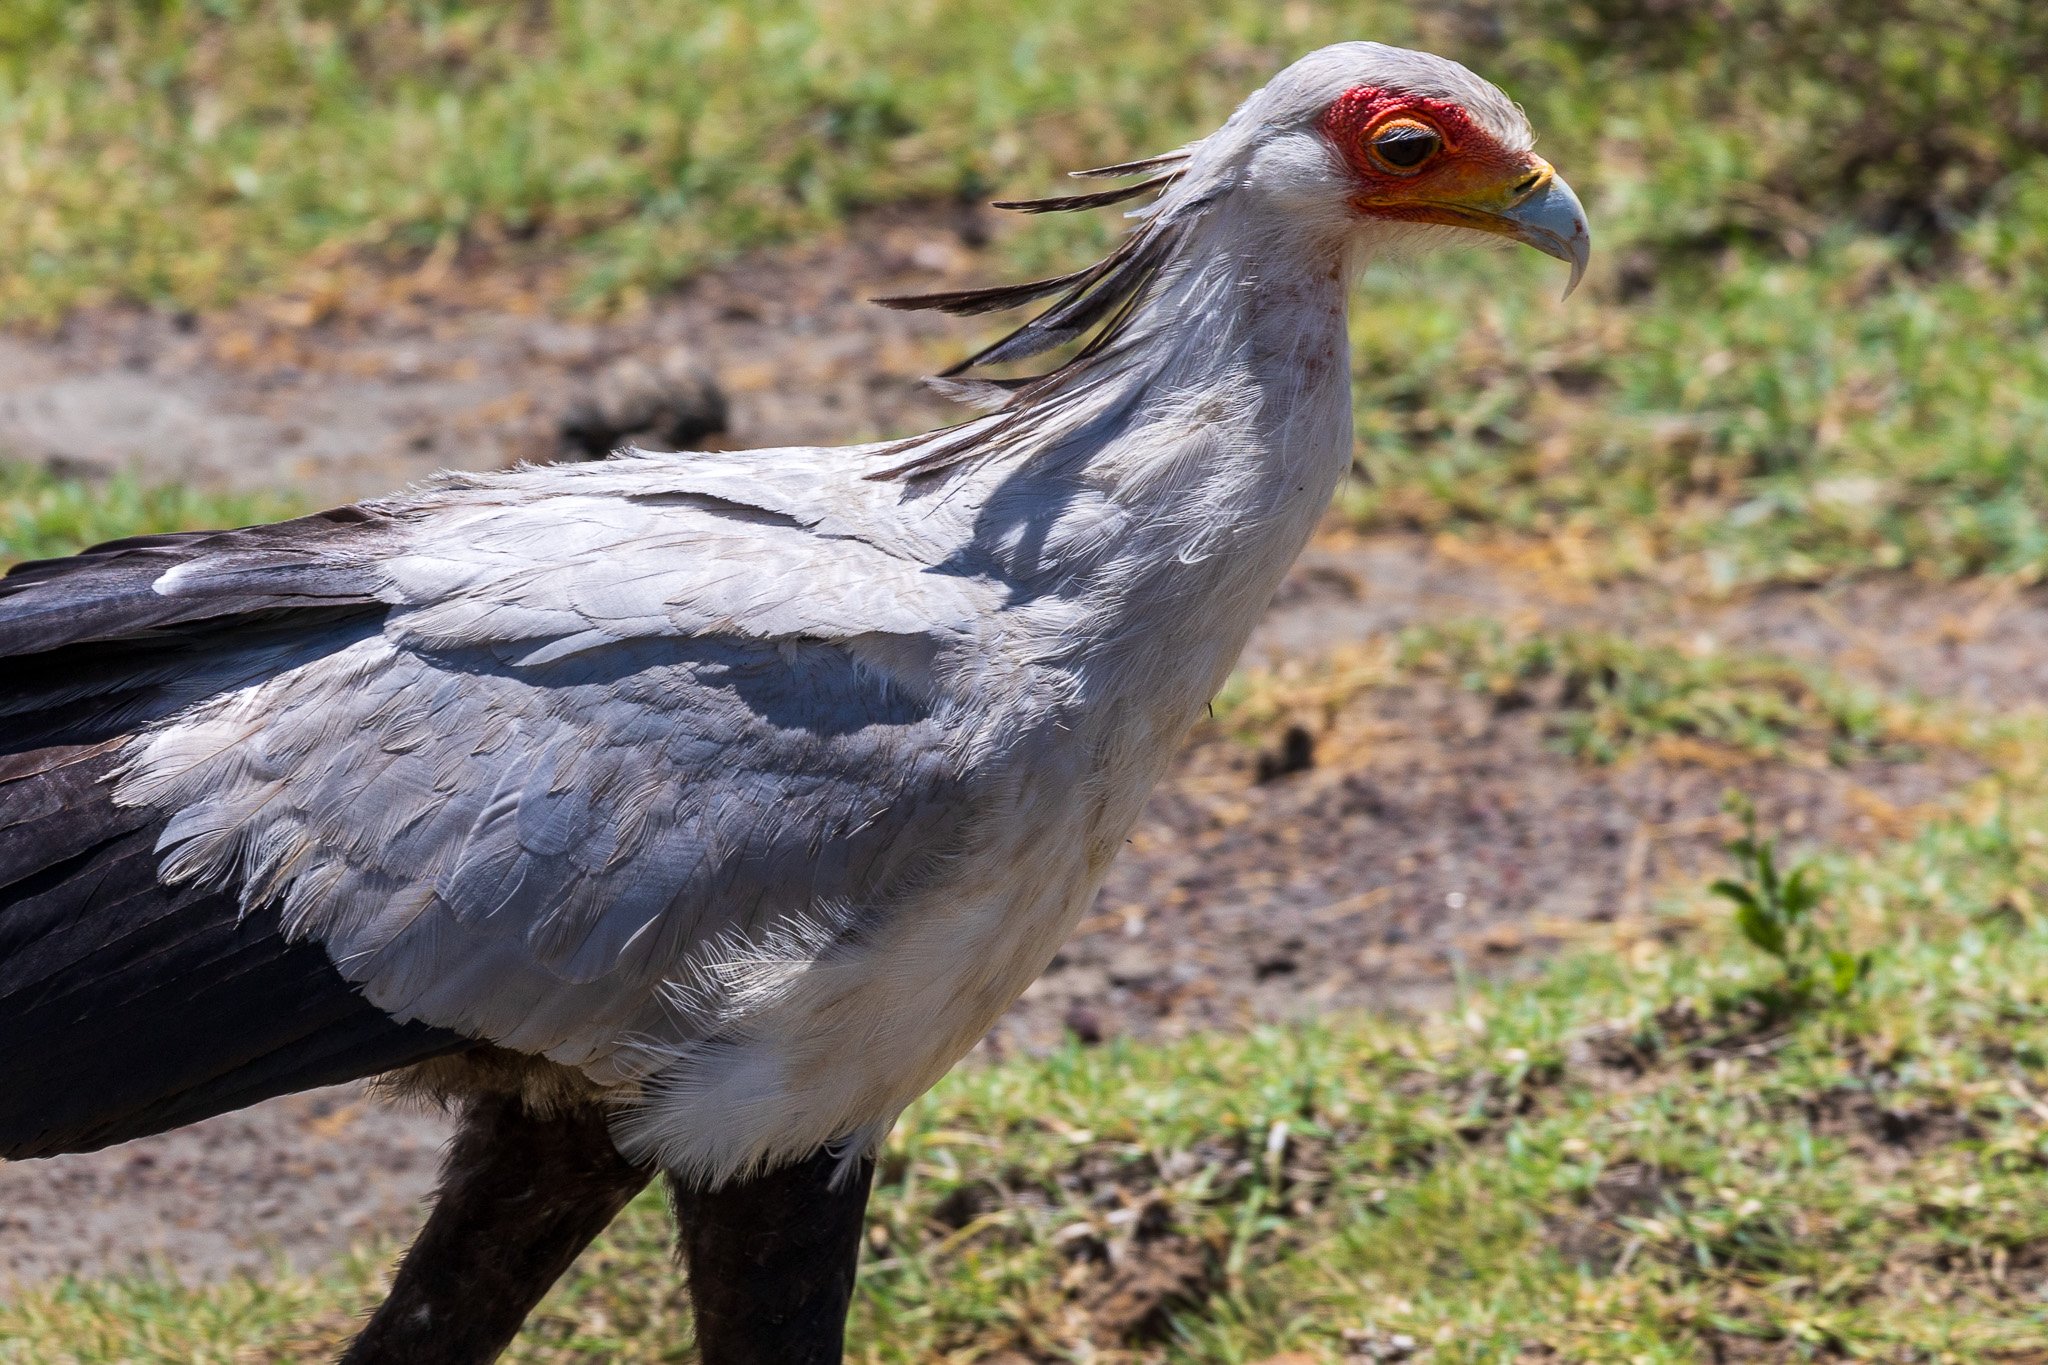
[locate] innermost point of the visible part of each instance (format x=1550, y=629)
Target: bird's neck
x=1237, y=378
x=1216, y=436
x=1207, y=452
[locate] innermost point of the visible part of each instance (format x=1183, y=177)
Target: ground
x=1420, y=827
x=375, y=379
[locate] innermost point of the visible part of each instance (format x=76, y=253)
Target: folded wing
x=508, y=754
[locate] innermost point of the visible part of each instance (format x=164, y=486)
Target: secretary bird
x=694, y=813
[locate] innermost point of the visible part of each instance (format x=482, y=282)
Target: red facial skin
x=1471, y=177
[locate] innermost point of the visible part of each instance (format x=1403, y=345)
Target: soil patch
x=1426, y=831
x=297, y=1180
x=364, y=381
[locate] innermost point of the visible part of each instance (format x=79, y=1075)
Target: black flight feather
x=129, y=1007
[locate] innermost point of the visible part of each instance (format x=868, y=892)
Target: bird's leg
x=521, y=1194
x=771, y=1261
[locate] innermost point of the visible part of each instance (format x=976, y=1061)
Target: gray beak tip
x=1578, y=270
x=1554, y=222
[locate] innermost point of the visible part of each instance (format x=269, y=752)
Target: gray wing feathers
x=594, y=733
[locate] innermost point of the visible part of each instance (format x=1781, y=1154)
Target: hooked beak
x=1530, y=204
x=1551, y=219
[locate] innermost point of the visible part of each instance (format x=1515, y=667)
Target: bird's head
x=1355, y=142
x=1361, y=136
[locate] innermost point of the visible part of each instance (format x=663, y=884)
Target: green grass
x=185, y=152
x=1605, y=697
x=43, y=514
x=1611, y=695
x=184, y=149
x=1760, y=420
x=1642, y=1155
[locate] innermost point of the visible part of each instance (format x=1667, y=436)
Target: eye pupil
x=1406, y=147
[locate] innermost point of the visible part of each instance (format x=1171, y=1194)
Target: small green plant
x=1775, y=912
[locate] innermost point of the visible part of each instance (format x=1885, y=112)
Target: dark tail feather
x=128, y=1007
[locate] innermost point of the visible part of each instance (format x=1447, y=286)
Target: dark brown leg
x=520, y=1196
x=771, y=1262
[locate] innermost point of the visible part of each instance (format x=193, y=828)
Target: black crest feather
x=1138, y=167
x=1094, y=199
x=1103, y=293
x=1101, y=299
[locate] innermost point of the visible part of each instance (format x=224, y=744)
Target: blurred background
x=1601, y=920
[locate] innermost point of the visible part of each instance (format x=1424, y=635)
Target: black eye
x=1404, y=146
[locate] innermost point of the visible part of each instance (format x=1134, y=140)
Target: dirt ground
x=362, y=382
x=1422, y=832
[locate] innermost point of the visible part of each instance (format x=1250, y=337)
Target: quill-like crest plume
x=1102, y=299
x=1102, y=292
